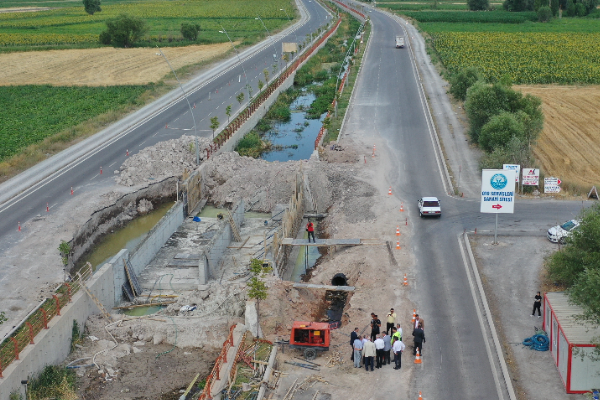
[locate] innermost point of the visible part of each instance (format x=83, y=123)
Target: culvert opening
x=339, y=279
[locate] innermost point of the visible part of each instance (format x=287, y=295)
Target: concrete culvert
x=339, y=279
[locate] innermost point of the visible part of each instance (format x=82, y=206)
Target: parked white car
x=558, y=233
x=429, y=207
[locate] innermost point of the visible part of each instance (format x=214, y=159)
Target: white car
x=429, y=207
x=559, y=233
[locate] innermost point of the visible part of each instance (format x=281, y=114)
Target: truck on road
x=399, y=42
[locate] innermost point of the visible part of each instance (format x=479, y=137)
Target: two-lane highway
x=390, y=106
x=209, y=97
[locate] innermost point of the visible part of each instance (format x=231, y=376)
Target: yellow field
x=99, y=67
x=569, y=145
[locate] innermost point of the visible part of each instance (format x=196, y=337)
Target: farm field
x=72, y=27
x=100, y=67
x=569, y=146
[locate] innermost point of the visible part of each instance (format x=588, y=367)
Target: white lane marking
x=112, y=164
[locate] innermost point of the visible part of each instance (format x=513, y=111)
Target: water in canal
x=126, y=237
x=294, y=139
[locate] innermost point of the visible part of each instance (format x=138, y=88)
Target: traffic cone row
x=405, y=280
x=397, y=245
x=397, y=230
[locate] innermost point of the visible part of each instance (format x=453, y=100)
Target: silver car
x=559, y=233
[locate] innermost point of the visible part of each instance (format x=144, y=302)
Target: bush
x=281, y=113
x=125, y=30
x=105, y=37
x=518, y=5
x=462, y=81
x=499, y=130
x=580, y=10
x=544, y=14
x=190, y=31
x=478, y=5
x=571, y=11
x=91, y=6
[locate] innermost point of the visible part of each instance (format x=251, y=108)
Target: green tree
x=577, y=264
x=571, y=11
x=228, y=112
x=3, y=318
x=478, y=5
x=539, y=3
x=257, y=289
x=214, y=124
x=266, y=74
x=240, y=97
x=190, y=31
x=286, y=58
x=64, y=248
x=518, y=5
x=554, y=6
x=498, y=131
x=515, y=151
x=462, y=81
x=91, y=6
x=124, y=30
x=249, y=89
x=261, y=84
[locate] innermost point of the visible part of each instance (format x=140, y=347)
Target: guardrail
x=215, y=374
x=37, y=320
x=238, y=121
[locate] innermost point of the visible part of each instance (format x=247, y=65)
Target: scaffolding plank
x=322, y=242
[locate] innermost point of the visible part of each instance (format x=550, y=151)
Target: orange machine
x=310, y=337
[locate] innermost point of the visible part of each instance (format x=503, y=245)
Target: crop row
x=32, y=113
x=33, y=39
x=469, y=16
x=541, y=58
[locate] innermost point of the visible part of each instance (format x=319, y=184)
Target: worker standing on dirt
x=310, y=228
x=391, y=320
x=398, y=348
x=396, y=335
x=419, y=336
x=358, y=347
x=387, y=342
x=379, y=346
x=537, y=304
x=353, y=337
x=375, y=325
x=369, y=352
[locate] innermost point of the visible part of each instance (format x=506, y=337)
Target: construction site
x=173, y=316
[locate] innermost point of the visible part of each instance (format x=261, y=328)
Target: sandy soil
x=99, y=67
x=569, y=145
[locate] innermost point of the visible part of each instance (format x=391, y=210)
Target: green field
x=32, y=113
x=68, y=27
x=501, y=43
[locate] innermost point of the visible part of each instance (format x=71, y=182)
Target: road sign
x=531, y=177
x=497, y=191
x=552, y=185
x=513, y=167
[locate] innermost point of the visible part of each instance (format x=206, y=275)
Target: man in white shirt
x=398, y=347
x=379, y=346
x=369, y=353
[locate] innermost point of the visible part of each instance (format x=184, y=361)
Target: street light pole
x=272, y=40
x=286, y=14
x=186, y=99
x=236, y=52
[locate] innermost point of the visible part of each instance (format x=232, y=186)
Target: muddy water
x=126, y=237
x=297, y=136
x=140, y=311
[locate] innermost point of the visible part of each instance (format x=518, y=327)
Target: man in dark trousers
x=419, y=338
x=537, y=303
x=375, y=325
x=310, y=228
x=353, y=337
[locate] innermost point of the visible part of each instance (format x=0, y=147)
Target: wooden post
x=57, y=304
x=16, y=347
x=45, y=317
x=30, y=332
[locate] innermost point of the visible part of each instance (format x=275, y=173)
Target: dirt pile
x=135, y=366
x=165, y=159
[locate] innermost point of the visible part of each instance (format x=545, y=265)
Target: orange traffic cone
x=401, y=207
x=397, y=230
x=390, y=191
x=405, y=280
x=420, y=396
x=397, y=245
x=418, y=358
x=414, y=316
x=373, y=151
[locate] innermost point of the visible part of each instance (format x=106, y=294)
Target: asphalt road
x=389, y=104
x=210, y=97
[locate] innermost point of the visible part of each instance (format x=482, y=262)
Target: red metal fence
x=25, y=333
x=238, y=121
x=215, y=374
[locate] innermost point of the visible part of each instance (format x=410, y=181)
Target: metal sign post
x=497, y=193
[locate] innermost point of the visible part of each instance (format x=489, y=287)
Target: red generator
x=310, y=337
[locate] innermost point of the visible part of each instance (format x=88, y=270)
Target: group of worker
x=374, y=350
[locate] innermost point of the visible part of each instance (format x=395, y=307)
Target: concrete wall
x=53, y=345
x=218, y=244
